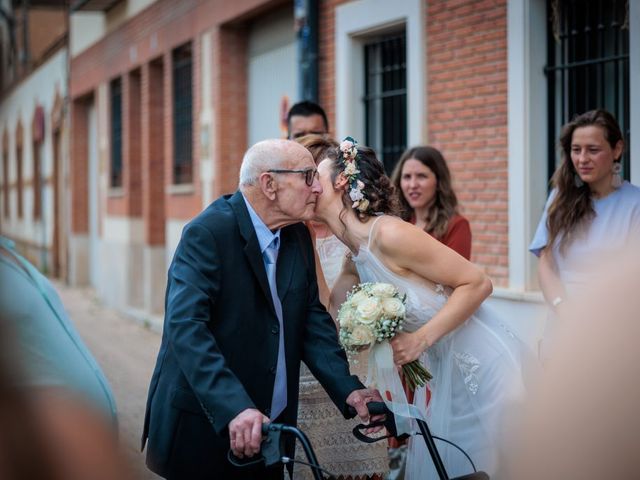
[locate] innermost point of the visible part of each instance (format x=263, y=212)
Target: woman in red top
x=428, y=200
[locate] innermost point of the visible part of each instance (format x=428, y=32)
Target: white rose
x=351, y=169
x=361, y=335
x=347, y=318
x=358, y=297
x=393, y=307
x=383, y=290
x=369, y=310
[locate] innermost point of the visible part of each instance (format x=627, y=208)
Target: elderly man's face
x=297, y=200
x=300, y=126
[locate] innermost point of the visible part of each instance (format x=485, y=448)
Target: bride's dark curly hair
x=378, y=189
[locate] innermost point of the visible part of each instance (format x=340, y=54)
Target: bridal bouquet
x=374, y=313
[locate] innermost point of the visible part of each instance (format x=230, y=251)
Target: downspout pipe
x=306, y=27
x=11, y=24
x=25, y=57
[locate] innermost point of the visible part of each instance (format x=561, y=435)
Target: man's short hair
x=259, y=158
x=306, y=109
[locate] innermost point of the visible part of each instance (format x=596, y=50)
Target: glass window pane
x=385, y=99
x=588, y=65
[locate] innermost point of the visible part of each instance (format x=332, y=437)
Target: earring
x=577, y=181
x=616, y=178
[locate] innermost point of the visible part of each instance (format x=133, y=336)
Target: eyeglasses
x=309, y=173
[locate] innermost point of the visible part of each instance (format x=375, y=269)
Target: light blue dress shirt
x=615, y=228
x=265, y=236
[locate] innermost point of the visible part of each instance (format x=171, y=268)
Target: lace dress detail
x=476, y=370
x=329, y=433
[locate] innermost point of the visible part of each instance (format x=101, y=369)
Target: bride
x=474, y=358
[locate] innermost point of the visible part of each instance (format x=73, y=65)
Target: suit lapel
x=252, y=247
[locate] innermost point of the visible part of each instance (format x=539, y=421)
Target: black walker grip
x=389, y=423
x=375, y=408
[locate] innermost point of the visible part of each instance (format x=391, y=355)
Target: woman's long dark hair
x=445, y=204
x=571, y=211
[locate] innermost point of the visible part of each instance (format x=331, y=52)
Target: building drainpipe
x=25, y=33
x=306, y=28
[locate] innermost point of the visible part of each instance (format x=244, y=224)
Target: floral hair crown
x=349, y=155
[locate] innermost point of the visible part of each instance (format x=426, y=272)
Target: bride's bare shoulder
x=393, y=233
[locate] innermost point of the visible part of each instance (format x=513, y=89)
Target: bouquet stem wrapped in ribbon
x=372, y=314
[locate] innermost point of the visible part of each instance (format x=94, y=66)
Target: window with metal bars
x=115, y=176
x=182, y=114
x=385, y=98
x=588, y=65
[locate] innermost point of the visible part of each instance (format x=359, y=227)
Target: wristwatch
x=556, y=301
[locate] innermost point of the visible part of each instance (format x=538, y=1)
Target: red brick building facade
x=475, y=90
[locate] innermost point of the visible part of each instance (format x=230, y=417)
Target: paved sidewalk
x=126, y=351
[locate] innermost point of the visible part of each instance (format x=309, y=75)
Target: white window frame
x=527, y=138
x=355, y=23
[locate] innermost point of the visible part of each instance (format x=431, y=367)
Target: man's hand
x=245, y=432
x=358, y=399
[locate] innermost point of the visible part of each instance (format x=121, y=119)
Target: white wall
x=123, y=11
x=207, y=119
x=86, y=28
x=271, y=73
x=173, y=232
x=37, y=89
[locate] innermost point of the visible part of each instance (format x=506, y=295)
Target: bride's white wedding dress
x=476, y=371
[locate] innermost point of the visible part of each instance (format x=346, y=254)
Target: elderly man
x=242, y=311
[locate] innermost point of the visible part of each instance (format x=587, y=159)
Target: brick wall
x=467, y=116
x=230, y=84
x=131, y=142
x=78, y=173
x=152, y=152
x=466, y=110
x=326, y=54
x=148, y=37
